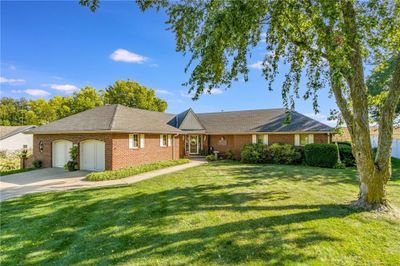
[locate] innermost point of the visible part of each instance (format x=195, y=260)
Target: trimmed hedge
x=346, y=155
x=125, y=172
x=278, y=153
x=281, y=153
x=253, y=153
x=322, y=155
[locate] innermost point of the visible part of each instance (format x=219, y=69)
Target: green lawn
x=215, y=214
x=16, y=171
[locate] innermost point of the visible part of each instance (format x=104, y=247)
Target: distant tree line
x=15, y=112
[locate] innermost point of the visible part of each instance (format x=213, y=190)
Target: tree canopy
x=378, y=84
x=329, y=42
x=14, y=112
x=132, y=94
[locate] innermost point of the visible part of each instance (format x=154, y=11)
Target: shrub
x=130, y=171
x=9, y=161
x=323, y=155
x=210, y=158
x=72, y=165
x=229, y=155
x=281, y=153
x=253, y=153
x=346, y=155
x=37, y=163
x=339, y=166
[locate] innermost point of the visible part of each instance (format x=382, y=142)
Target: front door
x=193, y=144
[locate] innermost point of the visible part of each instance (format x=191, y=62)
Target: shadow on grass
x=179, y=225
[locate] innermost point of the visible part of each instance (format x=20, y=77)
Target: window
x=222, y=141
x=304, y=140
x=133, y=141
x=163, y=140
x=260, y=139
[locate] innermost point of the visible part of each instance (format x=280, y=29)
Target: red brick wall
x=281, y=138
x=46, y=155
x=122, y=156
x=320, y=138
x=214, y=142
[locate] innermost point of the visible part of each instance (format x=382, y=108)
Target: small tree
x=72, y=165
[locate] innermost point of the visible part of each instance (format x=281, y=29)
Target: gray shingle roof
x=8, y=131
x=114, y=118
x=118, y=118
x=265, y=120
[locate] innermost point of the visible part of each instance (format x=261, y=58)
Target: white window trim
x=169, y=141
x=131, y=146
x=310, y=138
x=254, y=139
x=265, y=139
x=141, y=141
x=162, y=140
x=296, y=140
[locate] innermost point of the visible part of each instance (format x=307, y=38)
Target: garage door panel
x=93, y=155
x=61, y=154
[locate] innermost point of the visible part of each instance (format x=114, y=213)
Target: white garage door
x=92, y=155
x=61, y=152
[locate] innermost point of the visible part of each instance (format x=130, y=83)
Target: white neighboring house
x=12, y=138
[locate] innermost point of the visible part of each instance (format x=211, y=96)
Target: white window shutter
x=297, y=140
x=161, y=140
x=254, y=139
x=265, y=139
x=311, y=138
x=130, y=141
x=169, y=141
x=142, y=141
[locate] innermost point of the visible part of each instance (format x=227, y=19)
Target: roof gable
x=188, y=120
x=9, y=131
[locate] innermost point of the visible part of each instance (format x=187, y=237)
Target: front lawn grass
x=222, y=213
x=16, y=171
x=134, y=170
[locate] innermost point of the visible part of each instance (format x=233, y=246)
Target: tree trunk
x=373, y=175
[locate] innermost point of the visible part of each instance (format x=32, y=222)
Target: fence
x=395, y=146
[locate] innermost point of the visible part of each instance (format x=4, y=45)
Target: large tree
x=323, y=40
x=132, y=94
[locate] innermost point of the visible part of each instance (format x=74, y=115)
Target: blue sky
x=53, y=48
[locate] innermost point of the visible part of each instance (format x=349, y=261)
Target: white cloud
x=322, y=118
x=68, y=88
x=153, y=65
x=36, y=92
x=187, y=95
x=162, y=92
x=122, y=55
x=215, y=91
x=257, y=65
x=11, y=81
x=33, y=92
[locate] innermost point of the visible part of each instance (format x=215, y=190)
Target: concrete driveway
x=47, y=179
x=57, y=179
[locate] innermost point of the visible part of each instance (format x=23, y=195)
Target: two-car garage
x=91, y=154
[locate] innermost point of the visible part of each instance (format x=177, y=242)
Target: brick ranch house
x=114, y=136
